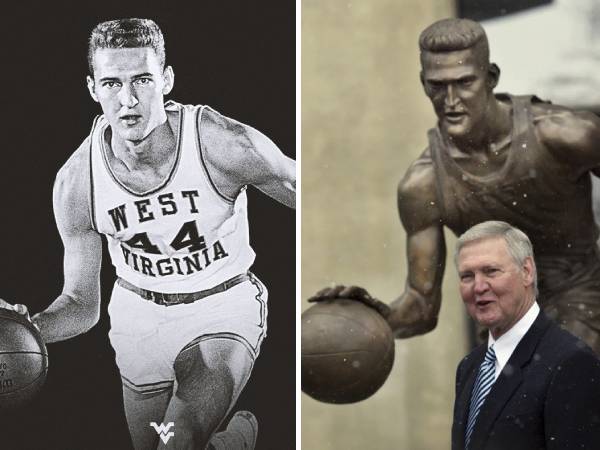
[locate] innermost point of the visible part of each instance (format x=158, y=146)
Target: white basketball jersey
x=182, y=236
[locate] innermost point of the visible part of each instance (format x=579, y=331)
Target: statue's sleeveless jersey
x=181, y=236
x=532, y=191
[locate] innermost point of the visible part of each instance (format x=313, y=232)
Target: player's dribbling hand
x=352, y=293
x=21, y=309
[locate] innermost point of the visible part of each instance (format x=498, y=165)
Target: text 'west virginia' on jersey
x=183, y=235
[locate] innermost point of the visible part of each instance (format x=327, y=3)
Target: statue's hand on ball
x=351, y=293
x=347, y=345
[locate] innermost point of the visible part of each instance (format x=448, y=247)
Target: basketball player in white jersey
x=165, y=183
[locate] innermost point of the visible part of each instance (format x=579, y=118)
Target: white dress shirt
x=505, y=345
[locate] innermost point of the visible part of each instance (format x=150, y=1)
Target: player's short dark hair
x=448, y=35
x=126, y=33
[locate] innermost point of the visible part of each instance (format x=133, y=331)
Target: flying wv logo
x=163, y=430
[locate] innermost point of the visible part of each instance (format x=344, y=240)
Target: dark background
x=483, y=10
x=236, y=56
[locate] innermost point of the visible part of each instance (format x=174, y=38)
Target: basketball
x=23, y=360
x=347, y=351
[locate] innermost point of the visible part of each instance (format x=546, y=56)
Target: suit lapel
x=508, y=381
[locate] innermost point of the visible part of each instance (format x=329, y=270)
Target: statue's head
x=456, y=73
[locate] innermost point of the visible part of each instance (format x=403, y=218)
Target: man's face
x=130, y=84
x=456, y=83
x=496, y=292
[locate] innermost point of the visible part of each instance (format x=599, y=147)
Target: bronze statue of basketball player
x=501, y=157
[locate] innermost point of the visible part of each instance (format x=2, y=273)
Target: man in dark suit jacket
x=532, y=385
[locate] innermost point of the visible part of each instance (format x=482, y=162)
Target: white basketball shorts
x=148, y=337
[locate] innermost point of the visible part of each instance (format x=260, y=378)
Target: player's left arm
x=239, y=155
x=77, y=308
x=265, y=167
x=573, y=137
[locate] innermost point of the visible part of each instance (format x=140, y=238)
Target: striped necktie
x=481, y=388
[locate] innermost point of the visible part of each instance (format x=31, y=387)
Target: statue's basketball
x=23, y=360
x=347, y=351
